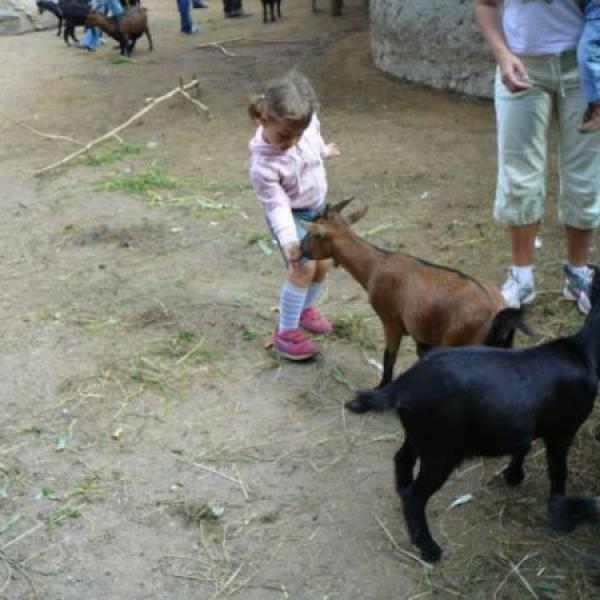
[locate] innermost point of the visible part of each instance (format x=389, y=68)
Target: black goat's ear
x=356, y=215
x=339, y=207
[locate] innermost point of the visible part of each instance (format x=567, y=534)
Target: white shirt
x=542, y=26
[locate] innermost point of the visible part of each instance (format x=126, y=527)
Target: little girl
x=288, y=175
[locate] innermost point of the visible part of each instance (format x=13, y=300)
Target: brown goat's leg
x=433, y=473
x=150, y=44
x=392, y=343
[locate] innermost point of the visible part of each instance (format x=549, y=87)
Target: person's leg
x=579, y=197
x=310, y=318
x=523, y=121
x=187, y=24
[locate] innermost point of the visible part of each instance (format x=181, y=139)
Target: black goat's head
x=318, y=244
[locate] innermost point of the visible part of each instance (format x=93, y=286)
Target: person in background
x=537, y=81
x=92, y=37
x=588, y=55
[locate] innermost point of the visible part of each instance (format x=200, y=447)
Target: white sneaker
x=577, y=288
x=516, y=293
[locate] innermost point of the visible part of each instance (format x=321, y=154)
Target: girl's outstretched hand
x=331, y=150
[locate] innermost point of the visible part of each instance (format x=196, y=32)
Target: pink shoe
x=293, y=344
x=313, y=321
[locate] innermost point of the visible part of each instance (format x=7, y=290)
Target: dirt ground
x=150, y=446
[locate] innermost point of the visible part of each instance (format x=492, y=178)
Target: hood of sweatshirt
x=258, y=146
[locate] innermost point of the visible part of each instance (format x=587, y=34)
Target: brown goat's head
x=94, y=18
x=331, y=225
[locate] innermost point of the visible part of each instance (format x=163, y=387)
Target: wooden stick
x=220, y=43
x=113, y=132
x=50, y=136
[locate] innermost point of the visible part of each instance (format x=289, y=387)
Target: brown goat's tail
x=504, y=325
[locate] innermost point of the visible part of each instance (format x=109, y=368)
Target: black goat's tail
x=568, y=513
x=379, y=399
x=504, y=325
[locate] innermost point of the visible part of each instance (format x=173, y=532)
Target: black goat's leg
x=433, y=473
x=60, y=20
x=272, y=11
x=514, y=473
x=565, y=513
x=265, y=12
x=556, y=456
x=404, y=461
x=279, y=8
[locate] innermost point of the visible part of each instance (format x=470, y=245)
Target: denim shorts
x=300, y=214
x=523, y=125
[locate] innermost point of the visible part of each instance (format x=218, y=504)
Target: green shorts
x=523, y=123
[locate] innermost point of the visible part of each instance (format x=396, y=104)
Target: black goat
x=52, y=7
x=74, y=14
x=56, y=8
x=272, y=4
x=473, y=401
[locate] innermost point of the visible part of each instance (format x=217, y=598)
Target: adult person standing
x=534, y=43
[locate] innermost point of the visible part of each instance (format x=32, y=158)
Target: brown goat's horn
x=341, y=205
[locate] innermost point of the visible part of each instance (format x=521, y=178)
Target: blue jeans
x=92, y=35
x=588, y=53
x=187, y=25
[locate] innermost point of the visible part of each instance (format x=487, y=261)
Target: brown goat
x=435, y=305
x=126, y=29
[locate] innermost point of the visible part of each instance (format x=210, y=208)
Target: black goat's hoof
x=514, y=477
x=431, y=552
x=567, y=513
x=357, y=406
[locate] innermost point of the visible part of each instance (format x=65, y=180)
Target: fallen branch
x=220, y=44
x=50, y=136
x=113, y=133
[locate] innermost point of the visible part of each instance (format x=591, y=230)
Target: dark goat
x=56, y=8
x=126, y=29
x=74, y=14
x=459, y=403
x=52, y=7
x=435, y=305
x=272, y=4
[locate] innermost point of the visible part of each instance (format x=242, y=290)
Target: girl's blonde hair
x=289, y=100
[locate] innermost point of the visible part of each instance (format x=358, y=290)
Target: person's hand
x=332, y=150
x=293, y=254
x=514, y=74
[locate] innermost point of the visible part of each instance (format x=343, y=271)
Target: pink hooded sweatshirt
x=288, y=179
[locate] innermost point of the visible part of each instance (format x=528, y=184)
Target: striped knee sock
x=291, y=303
x=314, y=291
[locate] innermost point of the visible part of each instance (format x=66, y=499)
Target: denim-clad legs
x=588, y=53
x=92, y=35
x=187, y=24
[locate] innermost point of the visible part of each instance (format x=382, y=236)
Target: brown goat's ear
x=315, y=229
x=356, y=215
x=339, y=207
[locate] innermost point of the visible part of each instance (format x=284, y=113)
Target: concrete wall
x=20, y=16
x=434, y=42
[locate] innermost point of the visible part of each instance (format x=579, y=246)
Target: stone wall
x=20, y=16
x=434, y=42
